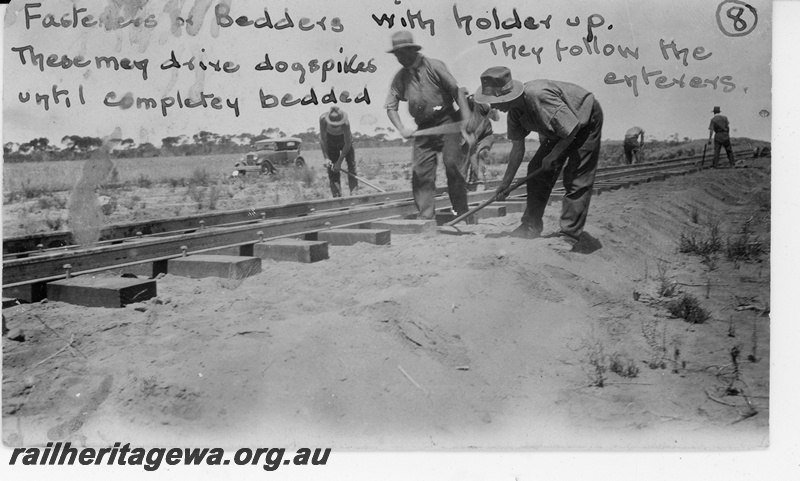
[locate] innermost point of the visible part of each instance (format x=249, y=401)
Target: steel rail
x=21, y=246
x=30, y=243
x=121, y=233
x=49, y=266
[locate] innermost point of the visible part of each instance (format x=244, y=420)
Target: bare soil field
x=36, y=195
x=435, y=341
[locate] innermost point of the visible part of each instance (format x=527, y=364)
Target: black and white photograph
x=263, y=233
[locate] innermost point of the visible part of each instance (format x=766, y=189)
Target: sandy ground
x=436, y=341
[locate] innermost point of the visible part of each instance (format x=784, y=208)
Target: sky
x=350, y=30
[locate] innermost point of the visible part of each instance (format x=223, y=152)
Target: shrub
x=687, y=307
x=144, y=181
x=28, y=191
x=54, y=223
x=623, y=365
x=691, y=243
x=306, y=176
x=199, y=177
x=47, y=202
x=743, y=248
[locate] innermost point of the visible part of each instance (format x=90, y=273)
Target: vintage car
x=268, y=153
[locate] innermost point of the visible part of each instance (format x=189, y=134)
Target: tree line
x=76, y=147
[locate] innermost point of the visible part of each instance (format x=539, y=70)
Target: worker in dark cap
x=431, y=92
x=569, y=122
x=336, y=142
x=720, y=129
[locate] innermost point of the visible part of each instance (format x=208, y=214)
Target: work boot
x=525, y=231
x=562, y=242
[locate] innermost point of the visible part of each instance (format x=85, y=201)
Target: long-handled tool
x=703, y=161
x=494, y=198
x=705, y=147
x=451, y=128
x=362, y=180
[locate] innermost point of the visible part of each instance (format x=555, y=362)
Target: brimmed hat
x=403, y=39
x=716, y=110
x=497, y=86
x=335, y=117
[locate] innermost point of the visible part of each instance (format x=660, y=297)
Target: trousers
x=475, y=158
x=631, y=151
x=718, y=145
x=423, y=177
x=335, y=146
x=579, y=164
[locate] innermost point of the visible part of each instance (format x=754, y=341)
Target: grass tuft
x=743, y=248
x=623, y=365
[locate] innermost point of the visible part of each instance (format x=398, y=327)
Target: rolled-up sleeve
x=395, y=93
x=556, y=113
x=446, y=80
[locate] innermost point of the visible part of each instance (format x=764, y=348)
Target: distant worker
x=569, y=122
x=634, y=141
x=430, y=91
x=720, y=129
x=336, y=142
x=479, y=124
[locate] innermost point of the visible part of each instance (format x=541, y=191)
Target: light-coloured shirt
x=632, y=135
x=551, y=108
x=429, y=89
x=719, y=124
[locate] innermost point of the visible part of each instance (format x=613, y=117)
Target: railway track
x=32, y=261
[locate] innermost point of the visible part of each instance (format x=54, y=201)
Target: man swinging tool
x=336, y=142
x=431, y=92
x=569, y=122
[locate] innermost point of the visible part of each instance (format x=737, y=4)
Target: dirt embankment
x=435, y=341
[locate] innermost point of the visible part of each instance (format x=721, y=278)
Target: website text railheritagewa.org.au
x=59, y=454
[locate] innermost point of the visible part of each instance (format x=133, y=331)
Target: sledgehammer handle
x=494, y=198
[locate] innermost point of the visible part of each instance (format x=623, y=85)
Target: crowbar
x=362, y=180
x=494, y=198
